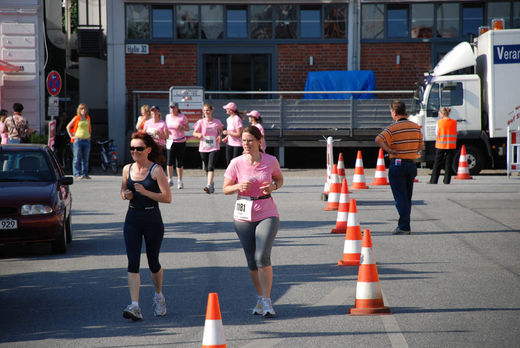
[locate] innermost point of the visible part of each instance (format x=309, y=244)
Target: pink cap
x=254, y=114
x=231, y=106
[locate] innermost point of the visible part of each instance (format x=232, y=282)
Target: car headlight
x=33, y=209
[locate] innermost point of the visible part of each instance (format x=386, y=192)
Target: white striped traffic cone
x=341, y=220
x=463, y=170
x=213, y=328
x=352, y=246
x=335, y=191
x=380, y=177
x=369, y=296
x=358, y=181
x=341, y=167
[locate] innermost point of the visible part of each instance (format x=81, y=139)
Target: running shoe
x=159, y=306
x=211, y=188
x=257, y=310
x=180, y=185
x=170, y=182
x=267, y=307
x=206, y=189
x=132, y=312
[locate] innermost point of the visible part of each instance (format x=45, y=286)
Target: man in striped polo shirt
x=402, y=140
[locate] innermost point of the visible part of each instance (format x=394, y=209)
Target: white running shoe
x=133, y=312
x=267, y=307
x=170, y=182
x=257, y=310
x=159, y=306
x=180, y=185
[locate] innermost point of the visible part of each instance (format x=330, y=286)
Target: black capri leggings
x=257, y=240
x=232, y=152
x=175, y=154
x=209, y=160
x=147, y=224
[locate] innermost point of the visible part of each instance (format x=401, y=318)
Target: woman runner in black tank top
x=144, y=185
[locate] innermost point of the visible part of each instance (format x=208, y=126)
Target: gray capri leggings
x=257, y=239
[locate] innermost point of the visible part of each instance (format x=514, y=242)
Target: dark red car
x=35, y=201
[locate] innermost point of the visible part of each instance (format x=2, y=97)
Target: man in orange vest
x=446, y=145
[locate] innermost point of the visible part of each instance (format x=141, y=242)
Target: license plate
x=8, y=224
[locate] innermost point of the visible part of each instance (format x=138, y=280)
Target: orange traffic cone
x=341, y=221
x=463, y=170
x=213, y=329
x=352, y=247
x=335, y=190
x=358, y=182
x=369, y=296
x=380, y=175
x=341, y=167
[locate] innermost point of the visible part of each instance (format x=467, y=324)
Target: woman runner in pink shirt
x=176, y=123
x=256, y=120
x=254, y=175
x=156, y=127
x=233, y=132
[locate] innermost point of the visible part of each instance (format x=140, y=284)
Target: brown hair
x=146, y=109
x=399, y=108
x=254, y=131
x=156, y=154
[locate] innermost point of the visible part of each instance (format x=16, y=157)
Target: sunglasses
x=137, y=148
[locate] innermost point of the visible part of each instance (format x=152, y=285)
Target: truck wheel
x=474, y=157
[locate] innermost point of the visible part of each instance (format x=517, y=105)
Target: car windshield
x=24, y=166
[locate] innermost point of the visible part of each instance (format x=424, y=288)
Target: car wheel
x=59, y=245
x=68, y=228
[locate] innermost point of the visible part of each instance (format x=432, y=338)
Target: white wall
x=21, y=44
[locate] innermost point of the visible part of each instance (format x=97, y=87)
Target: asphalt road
x=453, y=283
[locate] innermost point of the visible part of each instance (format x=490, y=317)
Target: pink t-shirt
x=233, y=124
x=263, y=146
x=209, y=131
x=151, y=127
x=3, y=133
x=241, y=170
x=173, y=123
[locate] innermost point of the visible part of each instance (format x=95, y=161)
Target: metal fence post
x=351, y=128
x=281, y=146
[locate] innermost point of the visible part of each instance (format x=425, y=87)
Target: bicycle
x=108, y=155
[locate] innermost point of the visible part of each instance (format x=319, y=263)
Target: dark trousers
x=442, y=156
x=232, y=152
x=401, y=177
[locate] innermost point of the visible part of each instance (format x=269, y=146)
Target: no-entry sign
x=54, y=83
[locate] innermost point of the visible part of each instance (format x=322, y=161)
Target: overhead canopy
x=342, y=80
x=5, y=66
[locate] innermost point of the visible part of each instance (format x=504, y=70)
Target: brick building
x=272, y=45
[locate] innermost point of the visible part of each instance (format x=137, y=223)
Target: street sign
x=190, y=100
x=53, y=83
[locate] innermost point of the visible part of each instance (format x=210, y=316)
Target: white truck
x=482, y=102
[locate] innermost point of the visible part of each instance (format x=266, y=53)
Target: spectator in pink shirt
x=156, y=127
x=254, y=176
x=177, y=124
x=233, y=132
x=208, y=130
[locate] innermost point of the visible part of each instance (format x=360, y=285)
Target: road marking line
x=393, y=330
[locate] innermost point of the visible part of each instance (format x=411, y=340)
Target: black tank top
x=139, y=201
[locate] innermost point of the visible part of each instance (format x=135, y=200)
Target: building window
x=335, y=21
x=472, y=18
x=137, y=22
x=447, y=20
x=162, y=23
x=373, y=21
x=261, y=21
x=187, y=21
x=236, y=23
x=285, y=21
x=310, y=22
x=397, y=21
x=516, y=15
x=212, y=22
x=499, y=10
x=422, y=21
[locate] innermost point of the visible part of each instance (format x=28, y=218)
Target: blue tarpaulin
x=341, y=80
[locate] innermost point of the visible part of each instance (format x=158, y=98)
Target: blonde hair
x=82, y=105
x=445, y=111
x=209, y=106
x=145, y=109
